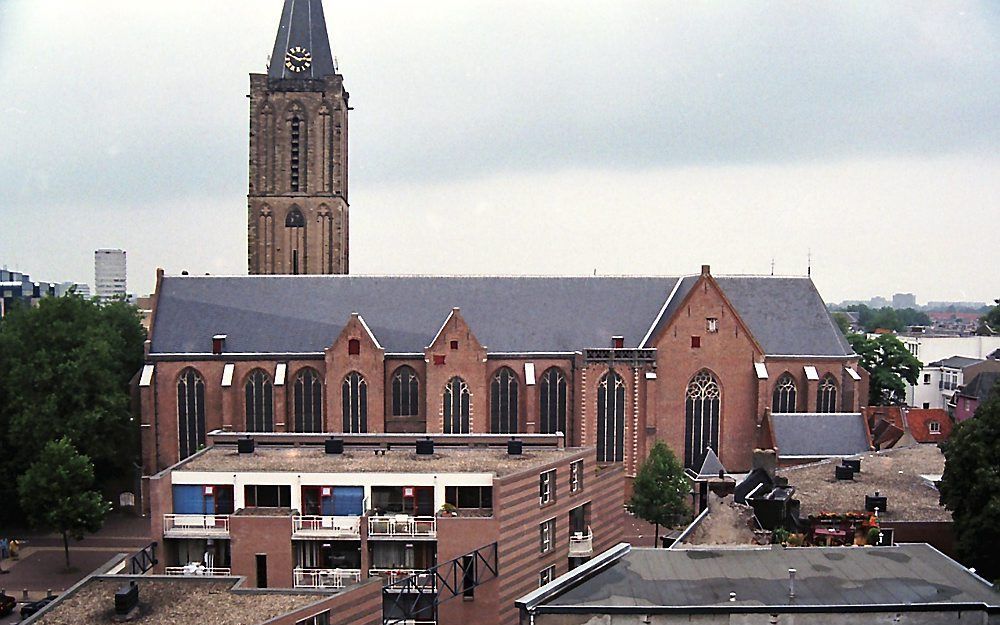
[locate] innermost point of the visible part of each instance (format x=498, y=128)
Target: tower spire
x=302, y=46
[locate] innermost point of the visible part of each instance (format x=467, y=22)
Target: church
x=702, y=362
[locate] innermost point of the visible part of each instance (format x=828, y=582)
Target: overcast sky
x=515, y=137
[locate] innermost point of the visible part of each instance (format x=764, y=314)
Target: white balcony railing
x=422, y=579
x=326, y=578
x=581, y=545
x=196, y=525
x=326, y=526
x=198, y=569
x=402, y=526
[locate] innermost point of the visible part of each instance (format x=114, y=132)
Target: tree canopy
x=888, y=318
x=660, y=488
x=65, y=368
x=54, y=493
x=970, y=486
x=891, y=366
x=990, y=322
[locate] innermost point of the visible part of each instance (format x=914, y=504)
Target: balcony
x=402, y=526
x=324, y=527
x=195, y=526
x=326, y=578
x=196, y=569
x=422, y=579
x=581, y=545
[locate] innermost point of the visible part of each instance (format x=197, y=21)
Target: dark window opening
x=695, y=341
x=296, y=136
x=353, y=347
x=295, y=262
x=468, y=577
x=261, y=570
x=611, y=418
x=307, y=401
x=826, y=395
x=259, y=402
x=783, y=398
x=701, y=415
x=439, y=359
x=456, y=407
x=267, y=496
x=454, y=344
x=552, y=404
x=190, y=412
x=470, y=498
x=355, y=403
x=503, y=402
x=404, y=392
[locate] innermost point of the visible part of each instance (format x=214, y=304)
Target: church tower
x=298, y=211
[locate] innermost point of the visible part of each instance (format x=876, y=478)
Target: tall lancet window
x=701, y=418
x=611, y=418
x=783, y=398
x=295, y=225
x=295, y=164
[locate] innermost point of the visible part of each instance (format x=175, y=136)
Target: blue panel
x=328, y=506
x=189, y=499
x=348, y=500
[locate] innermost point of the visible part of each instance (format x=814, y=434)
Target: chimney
x=765, y=459
x=791, y=583
x=853, y=463
x=244, y=445
x=843, y=473
x=878, y=502
x=425, y=447
x=218, y=342
x=334, y=446
x=514, y=447
x=618, y=342
x=706, y=270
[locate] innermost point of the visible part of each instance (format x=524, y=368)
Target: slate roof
x=820, y=435
x=834, y=579
x=304, y=314
x=955, y=362
x=711, y=466
x=785, y=315
x=302, y=25
x=981, y=385
x=293, y=314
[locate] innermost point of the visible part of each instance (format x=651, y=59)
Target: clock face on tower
x=298, y=59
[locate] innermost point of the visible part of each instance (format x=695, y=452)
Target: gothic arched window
x=405, y=387
x=456, y=407
x=259, y=402
x=294, y=218
x=701, y=418
x=355, y=395
x=503, y=402
x=826, y=395
x=611, y=418
x=190, y=412
x=783, y=399
x=307, y=403
x=552, y=402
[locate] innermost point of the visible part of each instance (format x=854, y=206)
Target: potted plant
x=448, y=509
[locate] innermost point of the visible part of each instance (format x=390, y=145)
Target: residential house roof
x=819, y=435
x=919, y=422
x=955, y=362
x=980, y=386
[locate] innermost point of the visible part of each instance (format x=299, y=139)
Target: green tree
x=910, y=317
x=660, y=489
x=890, y=365
x=65, y=368
x=989, y=323
x=970, y=486
x=884, y=318
x=843, y=322
x=55, y=494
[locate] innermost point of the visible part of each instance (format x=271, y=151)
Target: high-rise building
x=297, y=199
x=109, y=274
x=904, y=300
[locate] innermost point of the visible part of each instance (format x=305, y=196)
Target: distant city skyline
x=518, y=138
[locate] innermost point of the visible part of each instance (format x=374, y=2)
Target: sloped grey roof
x=820, y=434
x=302, y=25
x=955, y=362
x=293, y=314
x=834, y=579
x=982, y=385
x=785, y=315
x=686, y=284
x=711, y=466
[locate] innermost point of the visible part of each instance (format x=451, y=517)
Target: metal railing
x=326, y=526
x=142, y=560
x=193, y=570
x=581, y=544
x=196, y=525
x=418, y=578
x=325, y=578
x=403, y=526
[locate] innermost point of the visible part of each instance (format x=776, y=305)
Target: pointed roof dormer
x=302, y=47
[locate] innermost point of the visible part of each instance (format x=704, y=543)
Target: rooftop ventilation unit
x=877, y=501
x=514, y=447
x=844, y=473
x=854, y=463
x=126, y=599
x=425, y=447
x=334, y=446
x=245, y=445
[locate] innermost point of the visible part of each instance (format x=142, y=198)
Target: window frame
x=354, y=403
x=547, y=487
x=546, y=575
x=576, y=476
x=934, y=427
x=546, y=535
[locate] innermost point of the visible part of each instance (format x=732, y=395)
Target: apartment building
x=456, y=526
